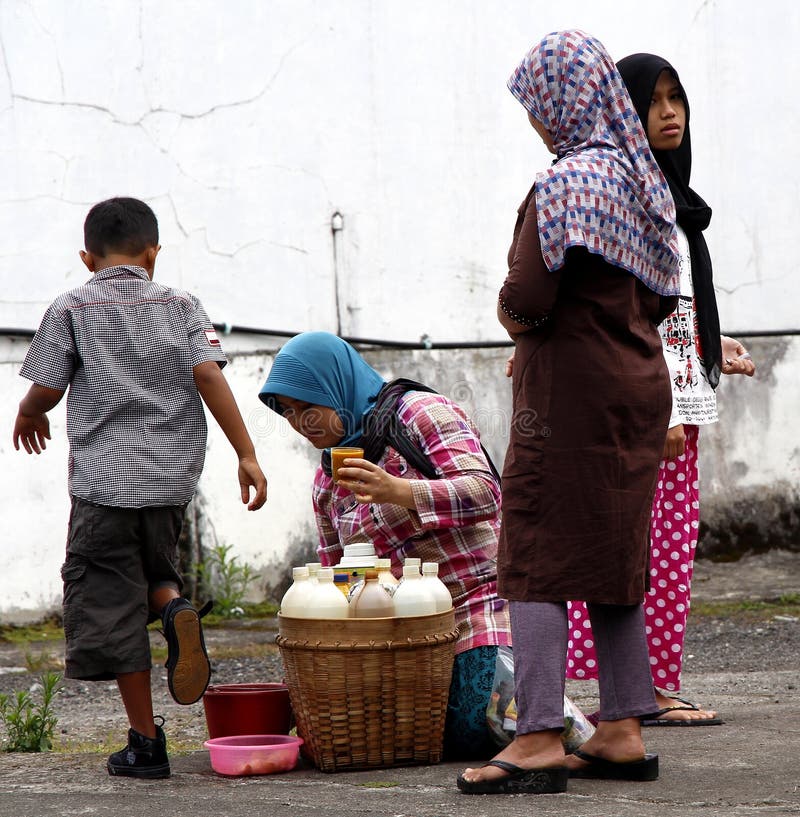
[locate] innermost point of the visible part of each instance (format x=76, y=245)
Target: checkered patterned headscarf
x=605, y=191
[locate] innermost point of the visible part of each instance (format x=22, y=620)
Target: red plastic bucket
x=247, y=709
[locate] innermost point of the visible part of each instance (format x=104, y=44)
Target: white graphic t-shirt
x=693, y=400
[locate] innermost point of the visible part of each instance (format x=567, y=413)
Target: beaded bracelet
x=521, y=319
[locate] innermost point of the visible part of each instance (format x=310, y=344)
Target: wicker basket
x=369, y=692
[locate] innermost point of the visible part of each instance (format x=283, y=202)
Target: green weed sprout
x=226, y=580
x=29, y=726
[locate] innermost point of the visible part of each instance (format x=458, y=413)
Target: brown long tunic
x=591, y=407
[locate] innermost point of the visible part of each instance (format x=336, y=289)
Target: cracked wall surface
x=247, y=126
x=246, y=129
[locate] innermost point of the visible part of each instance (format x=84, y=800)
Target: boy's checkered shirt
x=125, y=347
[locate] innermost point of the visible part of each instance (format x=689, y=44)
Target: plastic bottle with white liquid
x=431, y=580
x=326, y=600
x=295, y=600
x=412, y=596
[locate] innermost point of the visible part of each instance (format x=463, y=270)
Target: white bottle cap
x=325, y=574
x=300, y=572
x=412, y=560
x=410, y=570
x=430, y=568
x=358, y=549
x=313, y=567
x=383, y=564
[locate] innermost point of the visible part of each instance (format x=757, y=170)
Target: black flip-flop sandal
x=518, y=781
x=655, y=719
x=683, y=701
x=599, y=768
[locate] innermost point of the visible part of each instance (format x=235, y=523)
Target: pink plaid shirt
x=455, y=523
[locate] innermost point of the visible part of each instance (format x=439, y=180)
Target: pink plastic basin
x=253, y=754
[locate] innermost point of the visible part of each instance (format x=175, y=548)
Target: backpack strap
x=383, y=427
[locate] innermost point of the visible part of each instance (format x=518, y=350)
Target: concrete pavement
x=748, y=767
x=745, y=768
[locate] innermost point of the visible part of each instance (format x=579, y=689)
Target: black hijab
x=640, y=73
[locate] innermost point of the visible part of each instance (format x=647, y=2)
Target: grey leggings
x=539, y=632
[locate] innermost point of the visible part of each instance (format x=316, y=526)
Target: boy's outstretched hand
x=32, y=428
x=31, y=431
x=217, y=395
x=251, y=475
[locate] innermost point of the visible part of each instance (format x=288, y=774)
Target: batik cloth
x=466, y=729
x=674, y=530
x=605, y=191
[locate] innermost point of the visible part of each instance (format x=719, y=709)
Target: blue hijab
x=322, y=369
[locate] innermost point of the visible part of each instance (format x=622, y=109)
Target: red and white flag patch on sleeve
x=211, y=337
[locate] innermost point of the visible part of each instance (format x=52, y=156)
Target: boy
x=137, y=358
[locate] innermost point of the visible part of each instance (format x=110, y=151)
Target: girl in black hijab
x=641, y=73
x=696, y=355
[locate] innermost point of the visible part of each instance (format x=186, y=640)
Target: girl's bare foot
x=681, y=713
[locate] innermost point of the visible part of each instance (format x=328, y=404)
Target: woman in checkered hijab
x=593, y=269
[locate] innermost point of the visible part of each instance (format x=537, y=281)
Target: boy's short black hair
x=120, y=225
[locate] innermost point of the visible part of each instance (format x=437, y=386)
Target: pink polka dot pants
x=674, y=528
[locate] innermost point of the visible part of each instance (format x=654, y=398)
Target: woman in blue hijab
x=425, y=488
x=321, y=369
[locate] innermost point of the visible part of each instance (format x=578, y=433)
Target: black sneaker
x=188, y=668
x=143, y=757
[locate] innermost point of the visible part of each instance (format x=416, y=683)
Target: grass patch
x=34, y=641
x=251, y=613
x=110, y=742
x=115, y=740
x=263, y=609
x=41, y=644
x=49, y=629
x=253, y=616
x=786, y=605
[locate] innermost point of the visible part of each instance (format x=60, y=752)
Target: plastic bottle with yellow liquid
x=385, y=575
x=371, y=599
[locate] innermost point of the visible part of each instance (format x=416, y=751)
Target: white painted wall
x=247, y=125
